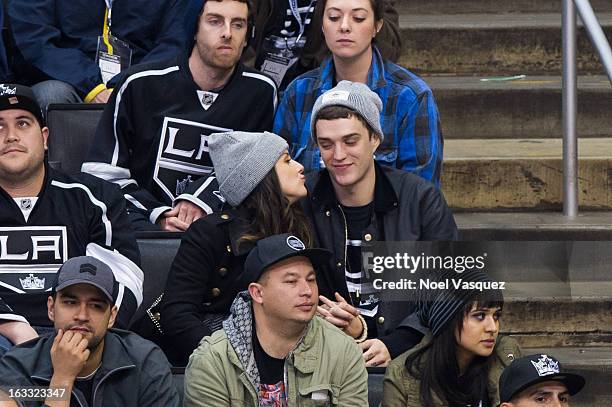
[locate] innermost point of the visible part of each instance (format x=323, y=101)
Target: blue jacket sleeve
x=421, y=143
x=38, y=38
x=170, y=38
x=285, y=124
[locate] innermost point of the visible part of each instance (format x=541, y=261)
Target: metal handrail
x=570, y=91
x=596, y=34
x=569, y=101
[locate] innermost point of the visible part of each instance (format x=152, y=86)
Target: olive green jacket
x=400, y=389
x=327, y=364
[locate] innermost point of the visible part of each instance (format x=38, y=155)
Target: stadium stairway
x=502, y=170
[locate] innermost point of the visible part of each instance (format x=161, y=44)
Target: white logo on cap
x=546, y=366
x=333, y=96
x=295, y=243
x=5, y=90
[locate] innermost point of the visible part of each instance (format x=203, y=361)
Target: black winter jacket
x=205, y=277
x=406, y=208
x=134, y=372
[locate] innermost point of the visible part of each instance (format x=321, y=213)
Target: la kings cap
x=533, y=369
x=13, y=96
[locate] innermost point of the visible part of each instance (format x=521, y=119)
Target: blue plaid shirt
x=409, y=119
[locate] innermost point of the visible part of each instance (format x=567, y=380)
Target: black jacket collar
x=385, y=197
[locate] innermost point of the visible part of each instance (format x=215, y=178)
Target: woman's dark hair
x=272, y=214
x=435, y=365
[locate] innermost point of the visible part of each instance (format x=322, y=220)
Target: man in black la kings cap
x=272, y=338
x=537, y=381
x=48, y=217
x=93, y=364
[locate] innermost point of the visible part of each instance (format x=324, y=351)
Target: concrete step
x=595, y=364
x=534, y=226
x=548, y=321
x=502, y=174
x=488, y=6
x=478, y=107
x=473, y=44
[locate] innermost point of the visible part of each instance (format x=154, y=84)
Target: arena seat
x=157, y=251
x=375, y=383
x=71, y=132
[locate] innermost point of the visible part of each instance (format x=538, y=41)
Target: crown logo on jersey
x=32, y=283
x=181, y=186
x=5, y=90
x=546, y=366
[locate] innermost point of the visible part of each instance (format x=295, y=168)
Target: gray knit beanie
x=356, y=96
x=241, y=160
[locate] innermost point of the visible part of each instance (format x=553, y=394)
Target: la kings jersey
x=73, y=216
x=152, y=139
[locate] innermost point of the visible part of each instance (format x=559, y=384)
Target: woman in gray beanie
x=459, y=361
x=260, y=185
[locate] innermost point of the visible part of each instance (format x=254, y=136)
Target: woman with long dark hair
x=409, y=117
x=260, y=185
x=459, y=361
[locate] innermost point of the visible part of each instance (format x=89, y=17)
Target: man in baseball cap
x=47, y=216
x=85, y=353
x=537, y=381
x=272, y=327
x=14, y=96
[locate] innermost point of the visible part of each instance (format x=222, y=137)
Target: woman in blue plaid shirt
x=410, y=120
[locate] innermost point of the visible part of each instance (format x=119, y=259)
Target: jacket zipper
x=93, y=399
x=71, y=392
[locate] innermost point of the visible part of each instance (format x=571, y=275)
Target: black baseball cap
x=86, y=270
x=13, y=96
x=274, y=249
x=534, y=369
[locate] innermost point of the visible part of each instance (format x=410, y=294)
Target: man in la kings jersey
x=47, y=217
x=152, y=139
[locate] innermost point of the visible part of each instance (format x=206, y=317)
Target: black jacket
x=204, y=279
x=406, y=208
x=134, y=372
x=76, y=215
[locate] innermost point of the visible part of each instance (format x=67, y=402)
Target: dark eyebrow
x=223, y=17
x=343, y=137
x=355, y=9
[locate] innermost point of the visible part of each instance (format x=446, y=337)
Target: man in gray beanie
x=355, y=201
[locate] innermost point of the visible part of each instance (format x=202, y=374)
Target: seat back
x=72, y=128
x=156, y=257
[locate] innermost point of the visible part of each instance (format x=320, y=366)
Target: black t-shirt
x=271, y=377
x=361, y=289
x=85, y=386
